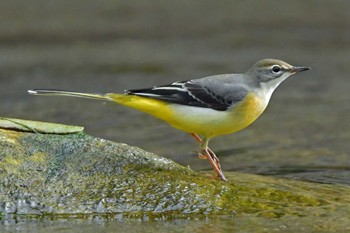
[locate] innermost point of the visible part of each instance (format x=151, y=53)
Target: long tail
x=157, y=108
x=68, y=93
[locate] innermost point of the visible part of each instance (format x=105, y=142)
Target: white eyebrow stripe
x=282, y=67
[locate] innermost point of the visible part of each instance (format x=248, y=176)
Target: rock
x=74, y=173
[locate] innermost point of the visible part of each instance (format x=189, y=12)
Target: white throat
x=267, y=88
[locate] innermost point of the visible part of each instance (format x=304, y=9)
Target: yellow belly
x=203, y=121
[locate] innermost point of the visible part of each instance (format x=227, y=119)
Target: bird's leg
x=199, y=140
x=200, y=154
x=207, y=153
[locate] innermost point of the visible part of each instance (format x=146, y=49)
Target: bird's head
x=274, y=71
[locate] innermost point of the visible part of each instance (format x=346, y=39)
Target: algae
x=77, y=174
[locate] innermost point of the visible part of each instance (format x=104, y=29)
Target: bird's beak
x=296, y=69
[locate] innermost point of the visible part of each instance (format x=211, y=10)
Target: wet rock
x=74, y=173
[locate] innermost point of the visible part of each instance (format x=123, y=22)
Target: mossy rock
x=74, y=173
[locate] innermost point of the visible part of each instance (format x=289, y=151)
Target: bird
x=206, y=107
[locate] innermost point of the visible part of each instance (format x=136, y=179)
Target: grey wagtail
x=205, y=107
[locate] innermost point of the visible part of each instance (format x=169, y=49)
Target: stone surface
x=76, y=173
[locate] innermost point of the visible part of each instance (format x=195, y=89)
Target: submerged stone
x=50, y=174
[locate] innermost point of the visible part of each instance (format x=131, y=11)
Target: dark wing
x=207, y=94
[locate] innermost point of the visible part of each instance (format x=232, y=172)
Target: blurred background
x=109, y=46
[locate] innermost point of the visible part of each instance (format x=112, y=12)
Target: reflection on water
x=93, y=224
x=324, y=175
x=319, y=175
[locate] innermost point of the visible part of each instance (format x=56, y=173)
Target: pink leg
x=207, y=153
x=199, y=140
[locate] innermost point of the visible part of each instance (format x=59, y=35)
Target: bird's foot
x=215, y=163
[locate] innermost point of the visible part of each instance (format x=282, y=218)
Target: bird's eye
x=276, y=69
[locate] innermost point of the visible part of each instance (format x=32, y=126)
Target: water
x=110, y=46
x=190, y=224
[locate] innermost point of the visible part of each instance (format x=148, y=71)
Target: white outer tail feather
x=67, y=93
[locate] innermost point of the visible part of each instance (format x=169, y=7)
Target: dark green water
x=109, y=46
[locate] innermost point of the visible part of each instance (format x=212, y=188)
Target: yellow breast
x=247, y=111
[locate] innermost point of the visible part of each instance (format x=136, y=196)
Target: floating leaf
x=38, y=126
